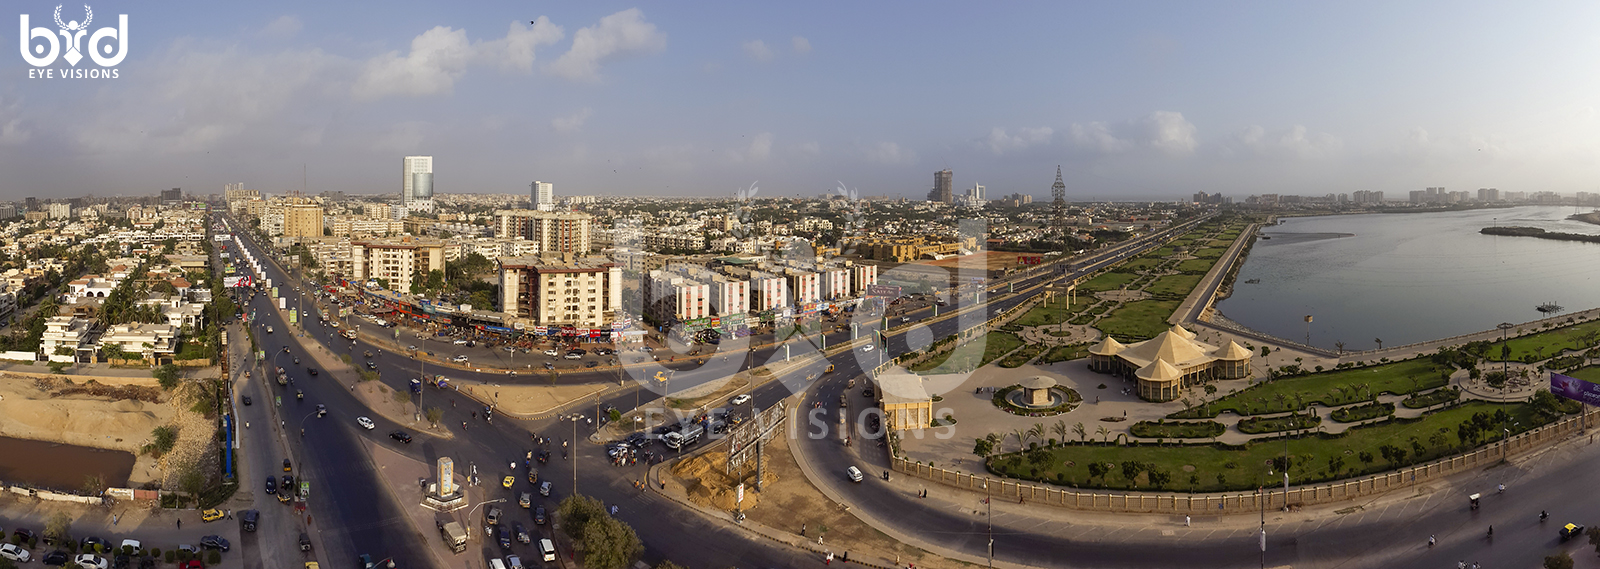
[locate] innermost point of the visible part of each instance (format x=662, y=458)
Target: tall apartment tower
x=416, y=183
x=544, y=196
x=943, y=187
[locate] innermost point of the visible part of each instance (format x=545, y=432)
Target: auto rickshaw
x=533, y=476
x=299, y=395
x=1474, y=499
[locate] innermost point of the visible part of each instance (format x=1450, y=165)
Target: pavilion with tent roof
x=1171, y=361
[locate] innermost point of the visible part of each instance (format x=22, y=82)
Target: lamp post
x=573, y=451
x=990, y=503
x=474, y=510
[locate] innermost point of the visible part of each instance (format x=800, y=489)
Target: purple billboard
x=1575, y=389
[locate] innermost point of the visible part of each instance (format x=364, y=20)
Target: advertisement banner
x=1575, y=389
x=883, y=290
x=541, y=330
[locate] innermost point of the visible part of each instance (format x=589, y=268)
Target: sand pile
x=706, y=480
x=28, y=412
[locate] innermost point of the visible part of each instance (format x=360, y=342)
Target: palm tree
x=1101, y=430
x=1022, y=438
x=1060, y=429
x=1082, y=432
x=994, y=441
x=1379, y=341
x=1283, y=401
x=1340, y=345
x=1037, y=432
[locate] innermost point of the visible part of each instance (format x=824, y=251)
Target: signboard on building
x=1575, y=389
x=883, y=290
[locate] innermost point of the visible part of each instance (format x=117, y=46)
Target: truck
x=283, y=377
x=454, y=536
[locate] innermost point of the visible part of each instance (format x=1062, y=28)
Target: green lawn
x=1553, y=341
x=1106, y=281
x=1065, y=353
x=1162, y=252
x=1055, y=313
x=1245, y=468
x=1175, y=285
x=1139, y=264
x=1590, y=374
x=1022, y=356
x=971, y=355
x=1201, y=266
x=1139, y=320
x=1211, y=252
x=1319, y=388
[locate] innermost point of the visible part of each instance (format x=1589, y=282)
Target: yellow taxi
x=508, y=481
x=829, y=370
x=311, y=565
x=210, y=515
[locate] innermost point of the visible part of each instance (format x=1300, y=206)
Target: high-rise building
x=302, y=219
x=555, y=232
x=416, y=183
x=1488, y=194
x=395, y=260
x=943, y=187
x=173, y=196
x=544, y=196
x=580, y=293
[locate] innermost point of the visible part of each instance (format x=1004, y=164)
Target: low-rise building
x=151, y=342
x=581, y=293
x=395, y=260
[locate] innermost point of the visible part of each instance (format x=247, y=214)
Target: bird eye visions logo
x=41, y=48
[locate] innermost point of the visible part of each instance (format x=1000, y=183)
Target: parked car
x=211, y=515
x=56, y=558
x=215, y=542
x=521, y=532
x=90, y=561
x=538, y=515
x=14, y=552
x=492, y=516
x=551, y=353
x=24, y=534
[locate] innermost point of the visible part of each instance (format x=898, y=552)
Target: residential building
x=671, y=297
x=152, y=342
x=943, y=187
x=768, y=291
x=804, y=286
x=835, y=283
x=1488, y=194
x=68, y=332
x=173, y=196
x=378, y=211
x=60, y=210
x=583, y=293
x=416, y=183
x=861, y=276
x=395, y=260
x=555, y=233
x=302, y=219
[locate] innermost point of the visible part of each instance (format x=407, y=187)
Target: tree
x=1104, y=434
x=1083, y=434
x=167, y=376
x=1340, y=346
x=982, y=448
x=59, y=527
x=665, y=564
x=1022, y=438
x=192, y=481
x=433, y=414
x=608, y=543
x=93, y=484
x=1594, y=537
x=1379, y=342
x=1060, y=429
x=1560, y=560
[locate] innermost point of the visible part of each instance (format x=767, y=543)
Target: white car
x=459, y=359
x=365, y=423
x=551, y=353
x=14, y=552
x=866, y=348
x=269, y=329
x=854, y=474
x=740, y=400
x=134, y=543
x=89, y=561
x=460, y=342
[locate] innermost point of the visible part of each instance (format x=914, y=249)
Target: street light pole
x=990, y=503
x=572, y=451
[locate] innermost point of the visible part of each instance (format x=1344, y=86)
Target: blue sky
x=1134, y=99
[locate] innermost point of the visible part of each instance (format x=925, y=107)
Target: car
x=504, y=535
x=544, y=489
x=853, y=473
x=24, y=534
x=89, y=542
x=461, y=359
x=904, y=320
x=245, y=400
x=311, y=370
x=196, y=564
x=866, y=348
x=548, y=365
x=372, y=365
x=592, y=364
x=551, y=353
x=305, y=542
x=56, y=558
x=401, y=436
x=740, y=400
x=134, y=543
x=521, y=531
x=210, y=515
x=215, y=542
x=508, y=481
x=121, y=561
x=286, y=466
x=509, y=349
x=460, y=342
x=514, y=562
x=14, y=552
x=90, y=561
x=573, y=357
x=829, y=370
x=321, y=410
x=288, y=483
x=538, y=515
x=366, y=423
x=492, y=516
x=1570, y=531
x=272, y=485
x=269, y=331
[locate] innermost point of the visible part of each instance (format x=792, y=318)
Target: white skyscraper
x=416, y=183
x=544, y=196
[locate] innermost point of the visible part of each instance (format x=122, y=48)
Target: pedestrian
x=1186, y=521
x=829, y=559
x=802, y=530
x=180, y=523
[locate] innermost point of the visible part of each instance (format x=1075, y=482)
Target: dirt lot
x=789, y=502
x=990, y=260
x=99, y=416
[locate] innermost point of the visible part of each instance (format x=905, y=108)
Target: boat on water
x=1253, y=281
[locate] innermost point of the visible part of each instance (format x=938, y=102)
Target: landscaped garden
x=1107, y=281
x=1436, y=397
x=1362, y=412
x=972, y=355
x=1065, y=353
x=1173, y=286
x=1054, y=312
x=1329, y=388
x=1196, y=266
x=1313, y=458
x=1022, y=356
x=1139, y=320
x=1547, y=343
x=1178, y=429
x=1293, y=422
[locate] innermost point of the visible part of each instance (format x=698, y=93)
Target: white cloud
x=621, y=34
x=808, y=148
x=515, y=52
x=1163, y=131
x=889, y=153
x=759, y=149
x=283, y=27
x=1000, y=141
x=758, y=50
x=1294, y=142
x=801, y=45
x=438, y=57
x=571, y=123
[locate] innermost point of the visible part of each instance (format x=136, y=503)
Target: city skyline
x=1135, y=102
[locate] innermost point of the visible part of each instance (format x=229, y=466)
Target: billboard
x=1575, y=389
x=1030, y=259
x=883, y=290
x=236, y=281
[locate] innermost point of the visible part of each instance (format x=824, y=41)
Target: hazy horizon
x=1150, y=101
